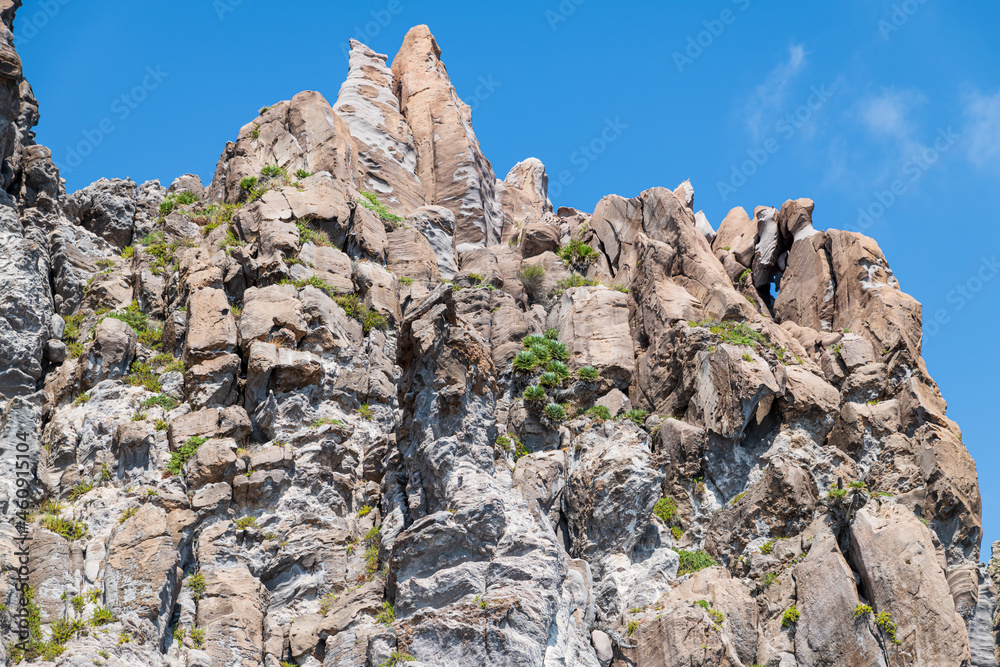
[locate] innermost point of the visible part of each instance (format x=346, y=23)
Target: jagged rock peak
x=450, y=164
x=383, y=139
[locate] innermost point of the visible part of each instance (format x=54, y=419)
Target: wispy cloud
x=768, y=99
x=982, y=129
x=888, y=114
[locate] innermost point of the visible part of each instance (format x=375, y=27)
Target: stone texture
x=451, y=167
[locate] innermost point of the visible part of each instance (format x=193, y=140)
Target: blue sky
x=887, y=108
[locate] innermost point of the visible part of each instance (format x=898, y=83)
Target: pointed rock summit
x=450, y=164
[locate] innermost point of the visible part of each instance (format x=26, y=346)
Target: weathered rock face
x=292, y=424
x=450, y=165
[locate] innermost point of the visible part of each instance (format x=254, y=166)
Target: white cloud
x=768, y=99
x=888, y=114
x=982, y=129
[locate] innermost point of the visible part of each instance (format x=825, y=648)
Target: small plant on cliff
x=245, y=523
x=790, y=617
x=273, y=171
x=397, y=658
x=102, y=616
x=365, y=412
x=533, y=278
x=364, y=511
x=577, y=254
x=588, y=374
x=542, y=352
x=302, y=174
x=558, y=350
x=637, y=417
x=555, y=412
x=127, y=514
x=767, y=547
x=386, y=614
x=185, y=452
x=862, y=610
x=68, y=528
x=549, y=380
x=80, y=489
x=525, y=362
x=196, y=584
x=666, y=509
x=600, y=413
x=308, y=234
x=360, y=311
x=533, y=397
x=693, y=561
x=370, y=201
x=888, y=627
x=198, y=638
x=837, y=494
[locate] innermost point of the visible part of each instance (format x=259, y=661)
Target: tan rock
x=142, y=572
x=899, y=567
x=213, y=382
x=593, y=322
x=329, y=265
x=450, y=165
x=268, y=310
x=523, y=196
x=111, y=354
x=387, y=157
x=411, y=256
x=211, y=329
x=211, y=463
x=232, y=613
x=736, y=233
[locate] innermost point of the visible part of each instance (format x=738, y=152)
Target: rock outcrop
x=360, y=402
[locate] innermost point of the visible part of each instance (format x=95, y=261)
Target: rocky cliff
x=360, y=402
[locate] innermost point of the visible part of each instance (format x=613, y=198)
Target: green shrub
x=68, y=528
x=577, y=253
x=693, y=561
x=397, y=658
x=770, y=578
x=862, y=610
x=302, y=174
x=165, y=402
x=666, y=509
x=81, y=399
x=325, y=421
x=248, y=184
x=245, y=523
x=637, y=417
x=888, y=627
x=767, y=547
x=358, y=310
x=542, y=352
x=588, y=374
x=555, y=412
x=559, y=368
x=531, y=340
x=185, y=198
x=141, y=375
x=127, y=514
x=196, y=584
x=532, y=278
x=549, y=380
x=273, y=171
x=405, y=281
x=102, y=616
x=552, y=334
x=80, y=489
x=370, y=201
x=128, y=252
x=198, y=638
x=790, y=617
x=575, y=280
x=309, y=234
x=838, y=493
x=366, y=412
x=386, y=614
x=534, y=394
x=525, y=362
x=599, y=412
x=185, y=452
x=558, y=350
